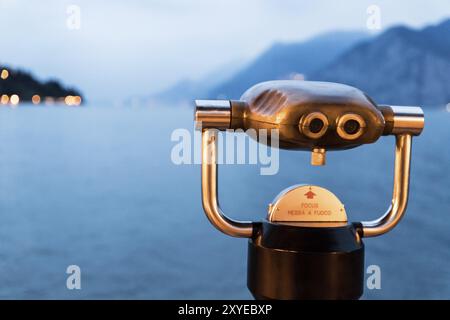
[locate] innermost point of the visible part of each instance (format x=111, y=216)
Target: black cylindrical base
x=292, y=262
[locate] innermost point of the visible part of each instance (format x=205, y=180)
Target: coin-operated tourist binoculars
x=306, y=248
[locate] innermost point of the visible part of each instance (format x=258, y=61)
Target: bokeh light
x=14, y=99
x=4, y=74
x=4, y=99
x=72, y=100
x=36, y=99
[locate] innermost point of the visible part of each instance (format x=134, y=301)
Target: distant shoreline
x=18, y=86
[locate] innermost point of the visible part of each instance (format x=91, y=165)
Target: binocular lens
x=316, y=125
x=313, y=125
x=351, y=126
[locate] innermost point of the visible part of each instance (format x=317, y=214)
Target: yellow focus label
x=307, y=203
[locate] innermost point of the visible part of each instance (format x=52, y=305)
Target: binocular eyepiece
x=349, y=126
x=306, y=245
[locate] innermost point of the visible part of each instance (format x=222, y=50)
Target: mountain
x=187, y=90
x=288, y=60
x=400, y=66
x=25, y=85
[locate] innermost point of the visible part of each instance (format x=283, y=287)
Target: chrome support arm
x=400, y=193
x=209, y=190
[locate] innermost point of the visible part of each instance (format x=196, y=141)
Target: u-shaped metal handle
x=404, y=123
x=210, y=199
x=397, y=208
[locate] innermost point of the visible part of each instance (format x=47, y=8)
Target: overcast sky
x=131, y=47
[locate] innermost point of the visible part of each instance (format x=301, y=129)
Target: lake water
x=96, y=187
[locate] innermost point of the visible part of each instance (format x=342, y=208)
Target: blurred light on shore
x=73, y=100
x=77, y=100
x=4, y=74
x=49, y=100
x=68, y=100
x=14, y=99
x=4, y=99
x=36, y=99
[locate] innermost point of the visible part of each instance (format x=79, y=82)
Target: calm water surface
x=96, y=187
